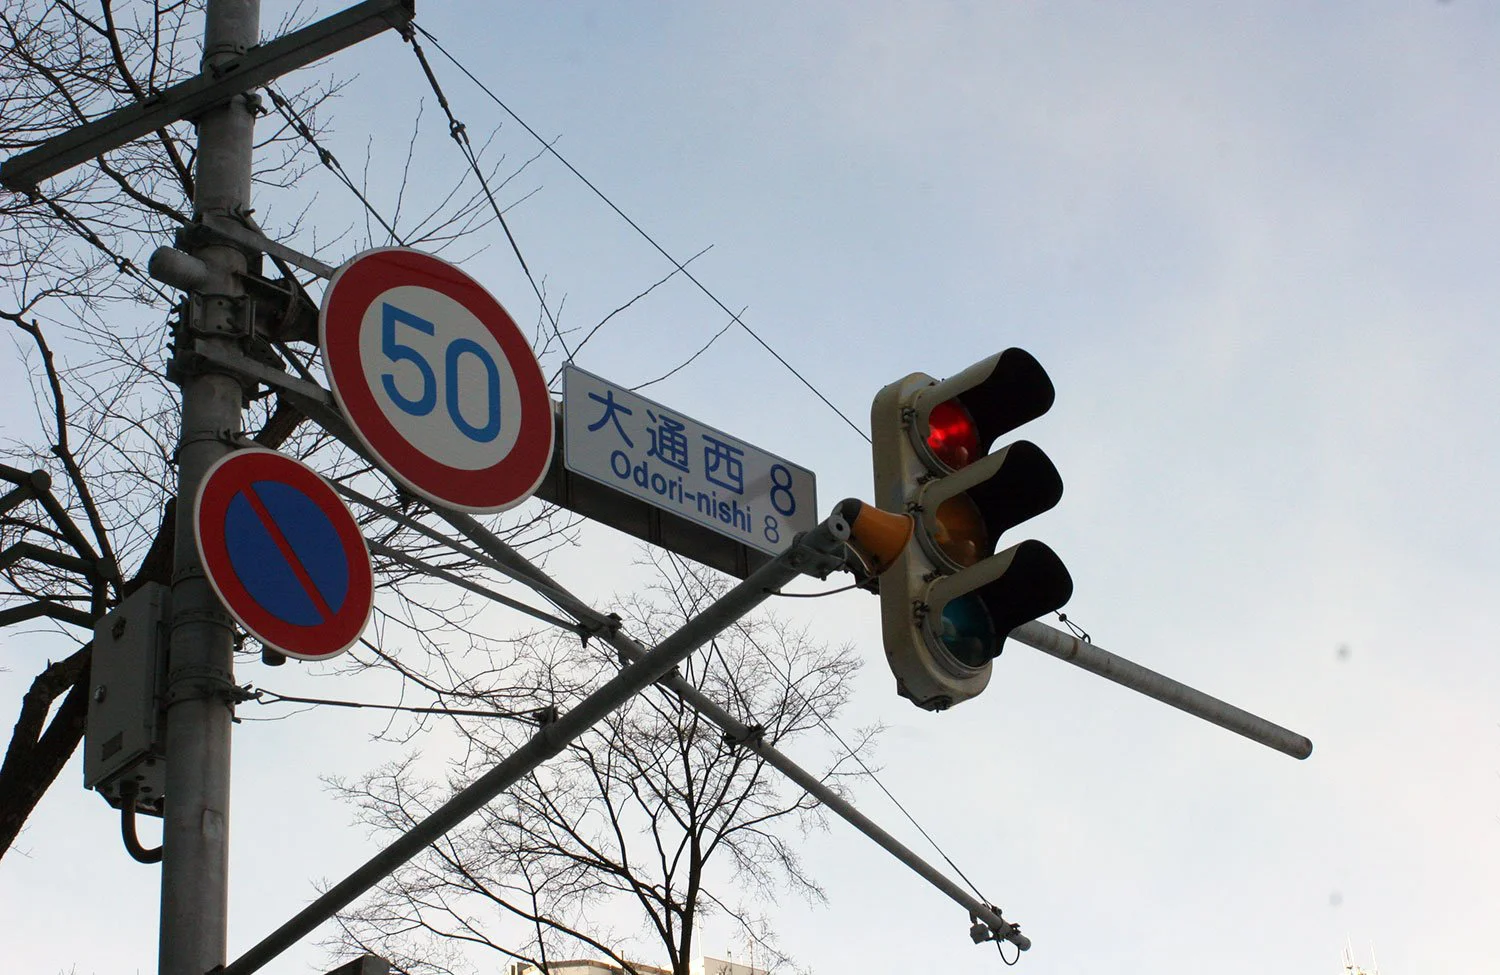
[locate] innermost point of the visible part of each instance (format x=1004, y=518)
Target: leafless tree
x=649, y=823
x=95, y=333
x=653, y=815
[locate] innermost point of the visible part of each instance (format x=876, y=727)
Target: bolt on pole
x=200, y=669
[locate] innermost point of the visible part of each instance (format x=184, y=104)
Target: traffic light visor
x=972, y=611
x=959, y=418
x=965, y=515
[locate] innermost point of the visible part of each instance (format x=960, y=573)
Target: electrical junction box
x=122, y=740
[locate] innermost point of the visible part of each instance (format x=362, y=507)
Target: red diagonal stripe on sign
x=298, y=569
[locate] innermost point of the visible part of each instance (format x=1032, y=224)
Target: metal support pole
x=316, y=402
x=818, y=553
x=631, y=651
x=742, y=735
x=1065, y=646
x=200, y=671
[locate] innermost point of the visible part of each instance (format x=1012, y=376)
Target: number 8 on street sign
x=436, y=379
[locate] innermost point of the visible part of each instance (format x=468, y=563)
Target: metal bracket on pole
x=260, y=64
x=253, y=239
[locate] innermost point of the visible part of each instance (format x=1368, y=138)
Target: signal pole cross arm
x=1096, y=660
x=254, y=66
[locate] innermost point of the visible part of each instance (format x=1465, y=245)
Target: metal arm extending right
x=1065, y=646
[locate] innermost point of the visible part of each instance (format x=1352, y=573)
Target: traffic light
x=948, y=599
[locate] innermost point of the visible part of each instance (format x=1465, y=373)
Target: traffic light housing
x=948, y=599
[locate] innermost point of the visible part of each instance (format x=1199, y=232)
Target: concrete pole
x=200, y=672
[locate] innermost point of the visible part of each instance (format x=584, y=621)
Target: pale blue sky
x=1255, y=248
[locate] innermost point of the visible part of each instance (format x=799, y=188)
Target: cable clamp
x=606, y=627
x=981, y=931
x=202, y=683
x=753, y=737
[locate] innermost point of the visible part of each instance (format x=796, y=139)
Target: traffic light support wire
x=679, y=265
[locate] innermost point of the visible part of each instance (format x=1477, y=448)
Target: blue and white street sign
x=687, y=468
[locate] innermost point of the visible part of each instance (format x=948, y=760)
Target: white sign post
x=684, y=467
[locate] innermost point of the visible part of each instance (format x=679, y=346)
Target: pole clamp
x=187, y=573
x=213, y=617
x=202, y=682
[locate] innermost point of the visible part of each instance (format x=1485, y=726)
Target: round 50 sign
x=436, y=380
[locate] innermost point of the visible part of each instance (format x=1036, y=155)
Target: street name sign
x=283, y=553
x=690, y=469
x=436, y=380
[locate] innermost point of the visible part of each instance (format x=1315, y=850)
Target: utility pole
x=215, y=321
x=200, y=670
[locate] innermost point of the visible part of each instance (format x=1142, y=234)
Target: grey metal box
x=122, y=740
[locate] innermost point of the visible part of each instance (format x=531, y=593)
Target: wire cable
x=537, y=716
x=816, y=595
x=679, y=265
x=460, y=136
x=854, y=755
x=138, y=853
x=327, y=158
x=876, y=779
x=123, y=264
x=1074, y=628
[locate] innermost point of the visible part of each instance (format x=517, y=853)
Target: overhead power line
x=460, y=136
x=679, y=265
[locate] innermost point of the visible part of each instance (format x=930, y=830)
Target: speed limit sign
x=436, y=380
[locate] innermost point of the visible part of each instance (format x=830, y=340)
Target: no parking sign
x=283, y=553
x=436, y=379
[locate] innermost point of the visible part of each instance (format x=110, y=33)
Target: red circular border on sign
x=351, y=292
x=232, y=474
